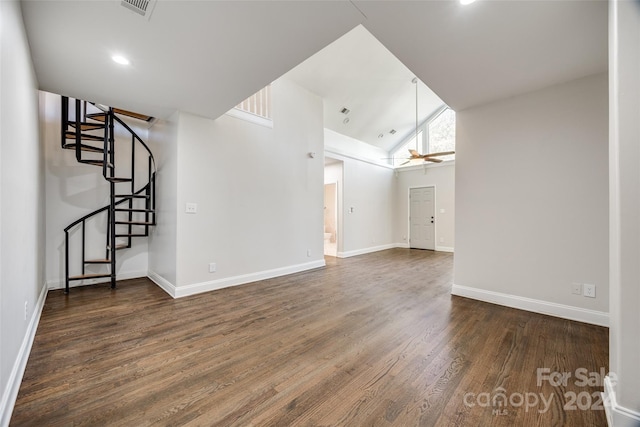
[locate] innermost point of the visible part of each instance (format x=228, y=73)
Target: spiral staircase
x=100, y=137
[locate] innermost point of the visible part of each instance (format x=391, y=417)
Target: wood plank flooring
x=369, y=340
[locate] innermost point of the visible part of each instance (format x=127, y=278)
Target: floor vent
x=141, y=7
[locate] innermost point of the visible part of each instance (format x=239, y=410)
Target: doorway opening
x=331, y=219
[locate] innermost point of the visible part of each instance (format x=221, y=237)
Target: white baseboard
x=197, y=288
x=163, y=283
x=617, y=416
x=17, y=372
x=599, y=318
x=369, y=250
x=59, y=284
x=402, y=245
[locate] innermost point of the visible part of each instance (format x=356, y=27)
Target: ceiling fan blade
x=442, y=153
x=402, y=164
x=434, y=160
x=414, y=153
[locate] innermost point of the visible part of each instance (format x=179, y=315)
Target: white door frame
x=435, y=214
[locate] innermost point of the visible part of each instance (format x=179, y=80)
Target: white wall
x=531, y=198
x=624, y=175
x=259, y=194
x=163, y=140
x=367, y=189
x=22, y=209
x=442, y=177
x=74, y=190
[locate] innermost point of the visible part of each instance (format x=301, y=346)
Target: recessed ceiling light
x=120, y=59
x=345, y=121
x=466, y=2
x=381, y=136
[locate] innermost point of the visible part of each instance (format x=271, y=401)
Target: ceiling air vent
x=345, y=110
x=392, y=131
x=141, y=7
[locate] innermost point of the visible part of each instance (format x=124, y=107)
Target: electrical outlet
x=442, y=240
x=191, y=208
x=589, y=290
x=26, y=309
x=308, y=252
x=212, y=267
x=576, y=289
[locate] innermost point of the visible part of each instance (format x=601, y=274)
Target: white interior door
x=422, y=218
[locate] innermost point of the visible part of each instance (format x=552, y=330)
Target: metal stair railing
x=147, y=191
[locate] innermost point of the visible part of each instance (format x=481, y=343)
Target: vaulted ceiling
x=203, y=57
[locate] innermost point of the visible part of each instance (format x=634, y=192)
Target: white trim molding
x=368, y=250
x=594, y=317
x=197, y=288
x=617, y=416
x=250, y=117
x=163, y=283
x=336, y=153
x=444, y=249
x=17, y=372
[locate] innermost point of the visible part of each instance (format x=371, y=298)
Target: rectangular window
x=259, y=103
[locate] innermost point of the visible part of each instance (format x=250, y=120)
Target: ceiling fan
x=431, y=157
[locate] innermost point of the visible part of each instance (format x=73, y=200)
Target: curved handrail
x=131, y=131
x=135, y=135
x=104, y=208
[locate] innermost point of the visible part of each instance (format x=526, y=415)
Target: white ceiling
x=359, y=73
x=203, y=57
x=492, y=49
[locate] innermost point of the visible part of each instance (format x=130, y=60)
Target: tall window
x=436, y=135
x=442, y=134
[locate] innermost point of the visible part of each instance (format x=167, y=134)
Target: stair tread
x=87, y=126
x=93, y=162
x=89, y=276
x=116, y=179
x=101, y=116
x=134, y=210
x=134, y=196
x=118, y=246
x=85, y=136
x=97, y=116
x=83, y=147
x=98, y=261
x=134, y=222
x=131, y=235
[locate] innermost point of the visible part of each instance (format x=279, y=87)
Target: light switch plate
x=191, y=208
x=576, y=288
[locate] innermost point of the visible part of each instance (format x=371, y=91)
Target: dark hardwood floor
x=370, y=340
